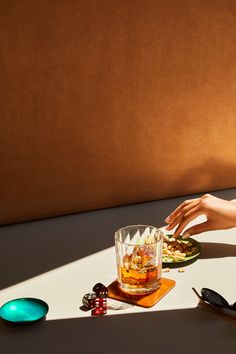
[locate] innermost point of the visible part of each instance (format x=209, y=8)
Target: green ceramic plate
x=24, y=310
x=190, y=258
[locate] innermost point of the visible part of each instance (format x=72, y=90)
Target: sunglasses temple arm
x=200, y=298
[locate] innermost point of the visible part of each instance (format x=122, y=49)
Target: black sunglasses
x=217, y=303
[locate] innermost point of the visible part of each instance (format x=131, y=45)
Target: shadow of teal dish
x=24, y=310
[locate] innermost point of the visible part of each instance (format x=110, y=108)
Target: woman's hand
x=221, y=214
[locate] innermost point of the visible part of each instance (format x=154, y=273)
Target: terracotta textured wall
x=110, y=102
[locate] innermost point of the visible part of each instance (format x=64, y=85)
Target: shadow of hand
x=217, y=250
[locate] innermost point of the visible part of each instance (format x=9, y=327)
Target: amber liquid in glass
x=145, y=277
x=139, y=270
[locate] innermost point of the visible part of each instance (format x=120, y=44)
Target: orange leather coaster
x=149, y=300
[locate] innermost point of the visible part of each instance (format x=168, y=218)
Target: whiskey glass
x=139, y=258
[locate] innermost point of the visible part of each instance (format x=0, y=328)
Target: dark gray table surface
x=30, y=249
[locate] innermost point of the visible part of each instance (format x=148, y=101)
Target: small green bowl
x=188, y=259
x=24, y=310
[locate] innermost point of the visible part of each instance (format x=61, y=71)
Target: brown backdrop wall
x=104, y=103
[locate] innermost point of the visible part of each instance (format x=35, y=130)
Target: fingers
x=188, y=217
x=185, y=213
x=197, y=229
x=182, y=212
x=179, y=209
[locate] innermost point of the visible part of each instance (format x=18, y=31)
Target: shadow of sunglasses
x=214, y=301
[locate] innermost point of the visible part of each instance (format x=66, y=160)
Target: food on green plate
x=177, y=249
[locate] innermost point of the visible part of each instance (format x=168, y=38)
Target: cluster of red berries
x=97, y=300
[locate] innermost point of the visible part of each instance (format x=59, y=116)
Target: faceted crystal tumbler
x=139, y=258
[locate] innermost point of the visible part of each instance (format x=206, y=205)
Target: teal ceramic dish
x=24, y=310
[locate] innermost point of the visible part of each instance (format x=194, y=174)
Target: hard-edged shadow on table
x=217, y=250
x=175, y=331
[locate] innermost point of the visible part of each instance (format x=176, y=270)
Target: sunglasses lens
x=214, y=298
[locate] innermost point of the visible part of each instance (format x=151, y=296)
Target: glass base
x=138, y=290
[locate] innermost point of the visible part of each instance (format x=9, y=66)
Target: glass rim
x=137, y=225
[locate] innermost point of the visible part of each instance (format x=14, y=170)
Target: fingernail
x=185, y=235
x=167, y=219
